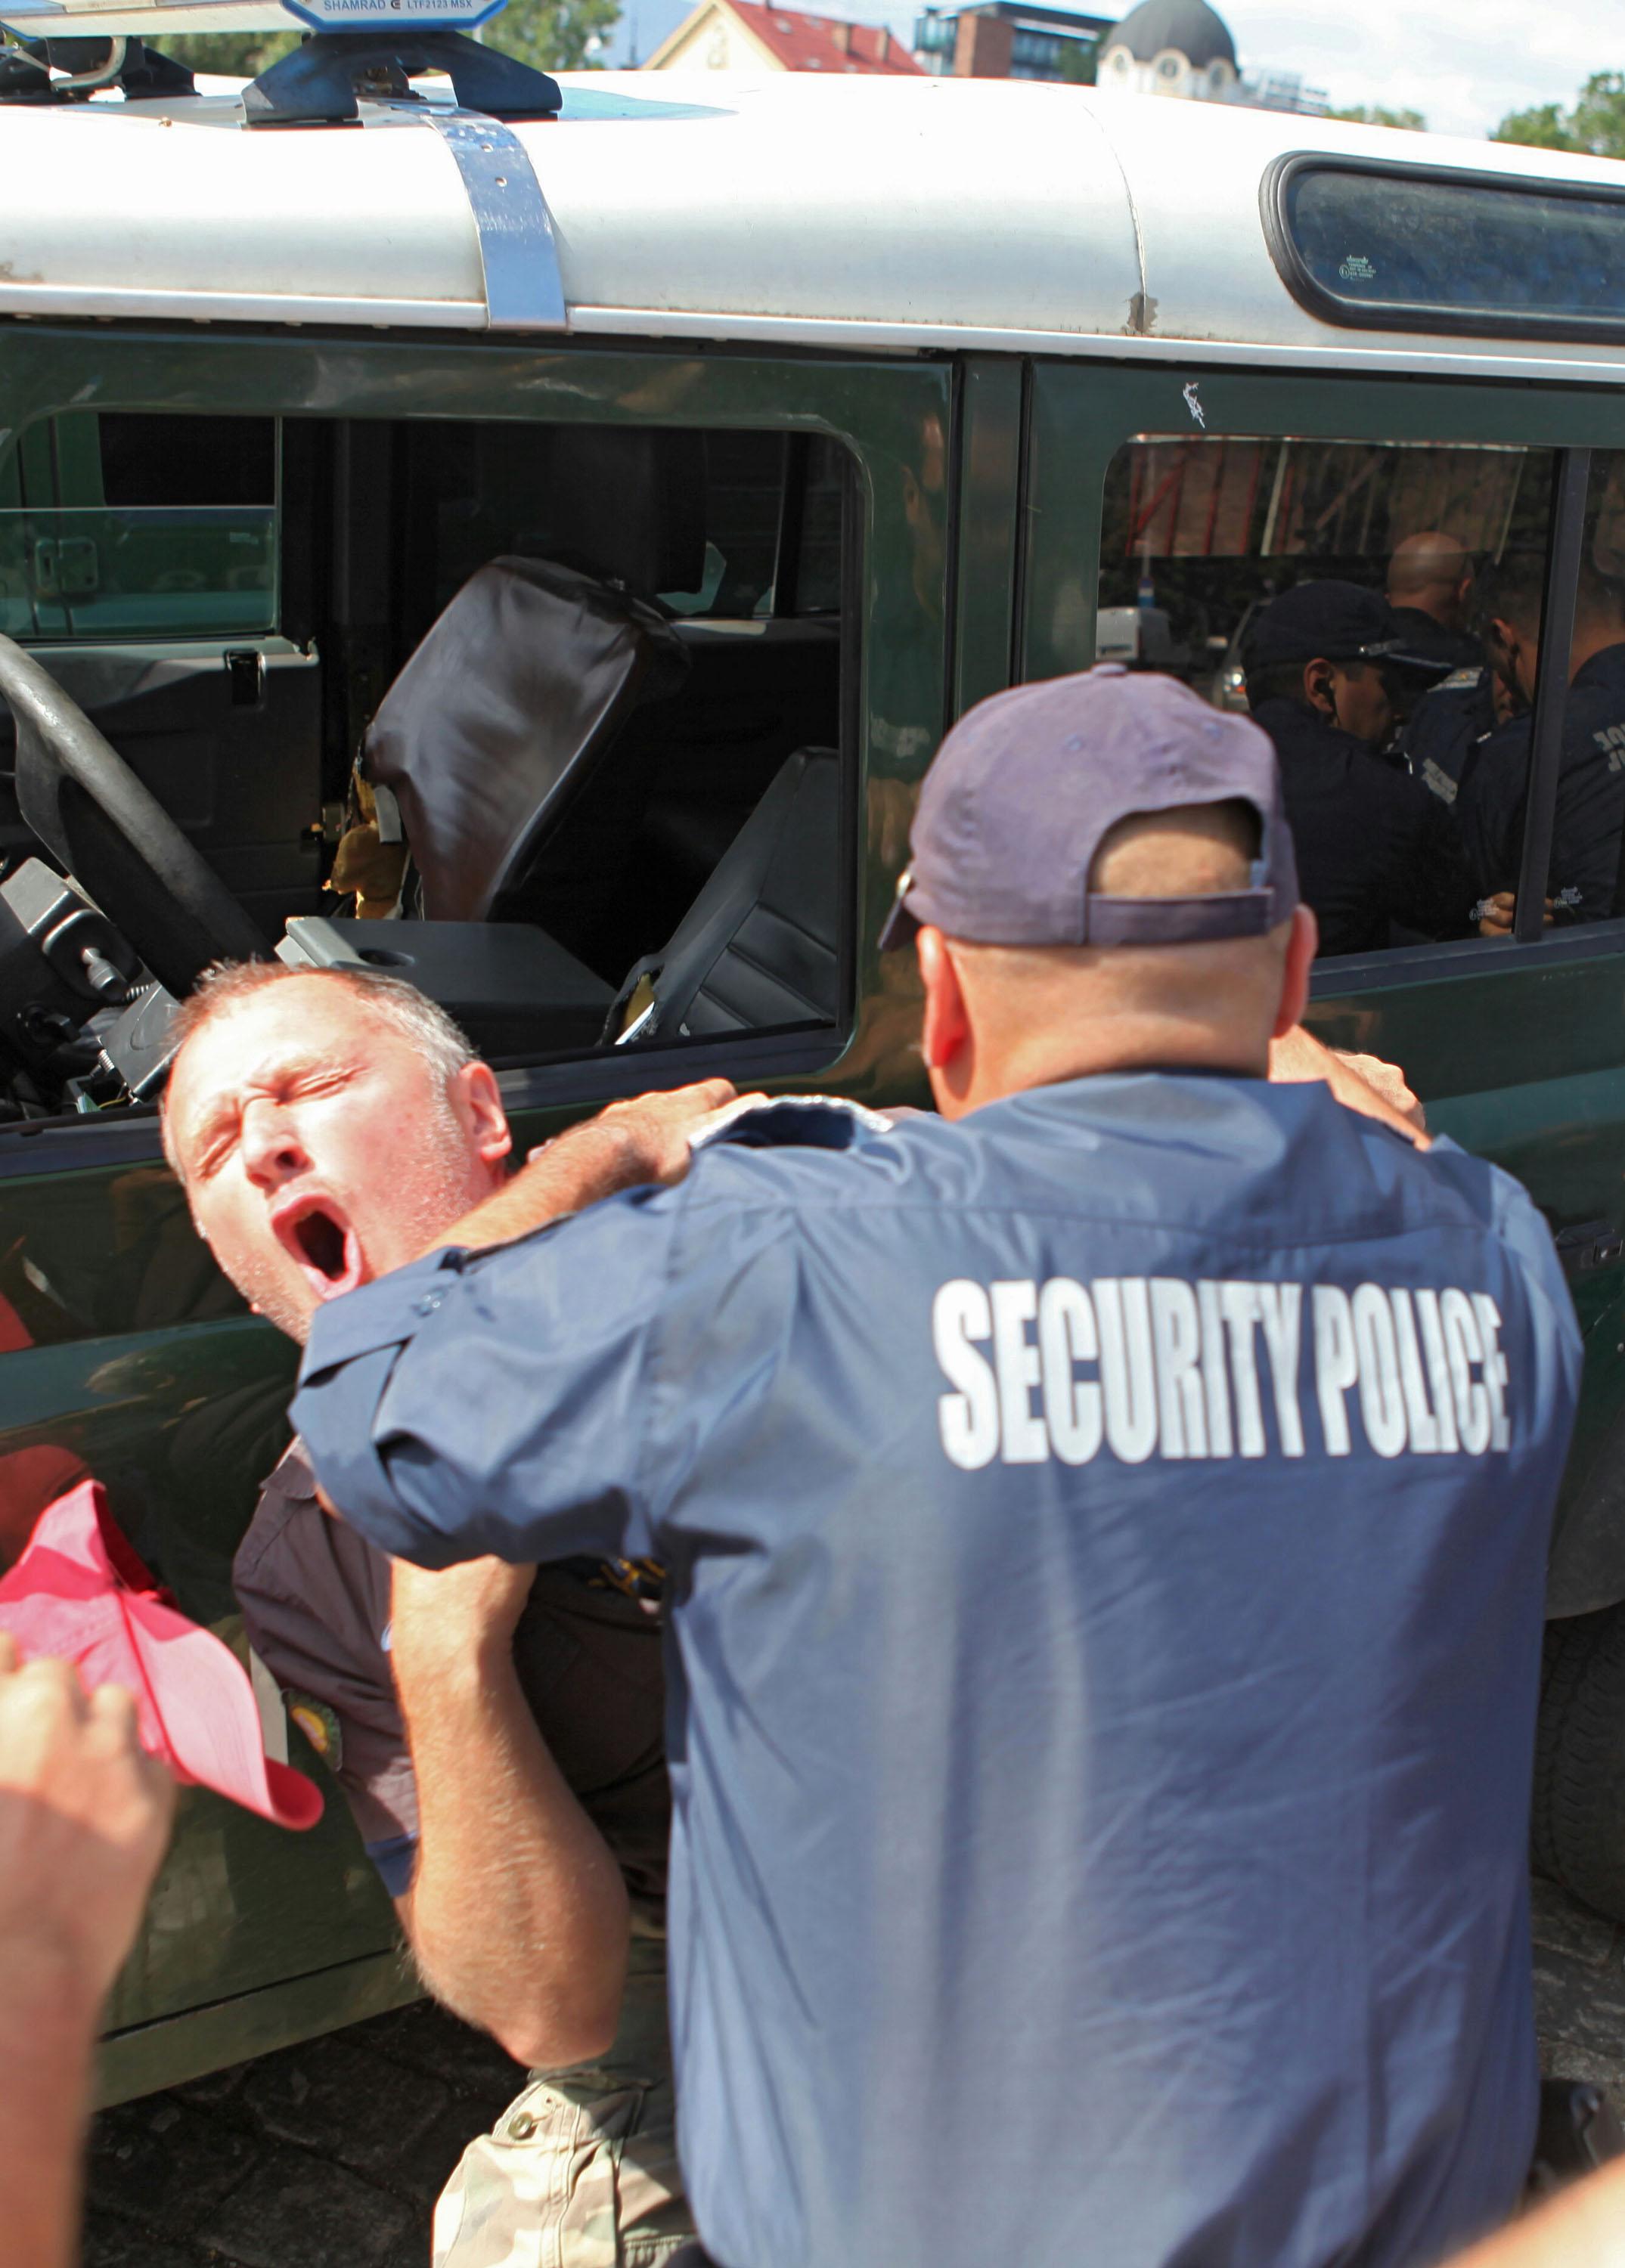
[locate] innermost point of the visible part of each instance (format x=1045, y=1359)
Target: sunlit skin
x=318, y=1148
x=1001, y=1018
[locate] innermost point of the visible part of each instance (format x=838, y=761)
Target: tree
x=1407, y=121
x=554, y=34
x=231, y=54
x=1595, y=128
x=1078, y=61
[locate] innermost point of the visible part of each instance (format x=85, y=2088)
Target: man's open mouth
x=321, y=1244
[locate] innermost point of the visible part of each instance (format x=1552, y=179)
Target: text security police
x=1189, y=1370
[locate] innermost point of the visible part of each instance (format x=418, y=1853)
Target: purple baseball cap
x=1026, y=786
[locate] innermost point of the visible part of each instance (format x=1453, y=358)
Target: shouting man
x=327, y=1128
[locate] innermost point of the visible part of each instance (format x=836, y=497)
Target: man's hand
x=625, y=1146
x=85, y=1820
x=657, y=1129
x=1362, y=1082
x=1498, y=913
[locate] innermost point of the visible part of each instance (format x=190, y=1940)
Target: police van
x=640, y=474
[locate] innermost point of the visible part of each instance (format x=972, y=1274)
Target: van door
x=811, y=615
x=1166, y=503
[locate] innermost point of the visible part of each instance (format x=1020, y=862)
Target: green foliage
x=1595, y=128
x=230, y=55
x=1407, y=121
x=553, y=35
x=1078, y=61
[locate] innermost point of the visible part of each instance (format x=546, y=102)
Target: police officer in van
x=1328, y=674
x=1106, y=1527
x=1584, y=877
x=1430, y=589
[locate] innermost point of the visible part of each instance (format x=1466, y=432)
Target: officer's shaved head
x=1433, y=573
x=1037, y=1014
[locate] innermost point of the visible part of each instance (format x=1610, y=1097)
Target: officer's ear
x=1320, y=686
x=1302, y=947
x=947, y=1027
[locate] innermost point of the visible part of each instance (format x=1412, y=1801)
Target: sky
x=1463, y=64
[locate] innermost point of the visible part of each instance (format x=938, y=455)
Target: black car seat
x=760, y=944
x=505, y=712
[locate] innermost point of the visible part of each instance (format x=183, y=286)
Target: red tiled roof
x=824, y=43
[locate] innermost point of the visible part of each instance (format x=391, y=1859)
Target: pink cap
x=80, y=1594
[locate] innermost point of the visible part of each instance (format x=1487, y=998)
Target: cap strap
x=1177, y=920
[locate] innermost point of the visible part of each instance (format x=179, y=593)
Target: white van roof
x=872, y=214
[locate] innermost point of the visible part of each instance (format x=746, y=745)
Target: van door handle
x=1589, y=1245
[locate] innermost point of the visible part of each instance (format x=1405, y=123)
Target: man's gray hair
x=419, y=1020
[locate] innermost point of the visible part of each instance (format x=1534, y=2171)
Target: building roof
x=1189, y=26
x=800, y=42
x=880, y=214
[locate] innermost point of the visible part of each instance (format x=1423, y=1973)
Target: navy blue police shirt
x=1105, y=1543
x=1376, y=850
x=1585, y=871
x=1445, y=727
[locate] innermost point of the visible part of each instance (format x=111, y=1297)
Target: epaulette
x=792, y=1121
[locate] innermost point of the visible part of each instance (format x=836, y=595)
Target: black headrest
x=501, y=714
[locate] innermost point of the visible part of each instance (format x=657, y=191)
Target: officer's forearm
x=628, y=1144
x=518, y=1914
x=591, y=1161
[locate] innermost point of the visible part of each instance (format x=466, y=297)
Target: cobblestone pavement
x=330, y=2155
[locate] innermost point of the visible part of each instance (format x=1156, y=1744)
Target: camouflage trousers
x=580, y=2171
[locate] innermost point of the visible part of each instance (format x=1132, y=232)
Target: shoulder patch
x=1461, y=681
x=321, y=1728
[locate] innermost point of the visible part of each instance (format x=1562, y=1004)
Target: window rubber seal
x=1421, y=315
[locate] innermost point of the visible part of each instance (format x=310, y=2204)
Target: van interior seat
x=759, y=946
x=510, y=704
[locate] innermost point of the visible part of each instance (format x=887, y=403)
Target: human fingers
x=662, y=1124
x=8, y=1656
x=1390, y=1082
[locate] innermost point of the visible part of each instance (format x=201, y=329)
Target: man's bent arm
x=517, y=1913
x=627, y=1145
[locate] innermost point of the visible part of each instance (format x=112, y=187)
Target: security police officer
x=1429, y=592
x=1106, y=1527
x=1585, y=871
x=1377, y=852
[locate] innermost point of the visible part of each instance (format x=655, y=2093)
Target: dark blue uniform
x=1445, y=727
x=1376, y=851
x=1591, y=798
x=1107, y=1542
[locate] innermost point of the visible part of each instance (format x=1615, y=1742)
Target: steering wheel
x=110, y=832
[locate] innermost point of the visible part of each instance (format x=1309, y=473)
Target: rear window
x=1413, y=248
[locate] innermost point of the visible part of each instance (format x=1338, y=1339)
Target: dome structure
x=1170, y=47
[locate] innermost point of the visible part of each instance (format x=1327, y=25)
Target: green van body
x=976, y=486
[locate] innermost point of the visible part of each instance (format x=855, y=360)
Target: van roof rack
x=321, y=82
x=71, y=71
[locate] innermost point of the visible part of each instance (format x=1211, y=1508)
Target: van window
x=604, y=767
x=1421, y=248
x=1200, y=534
x=1584, y=883
x=128, y=525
